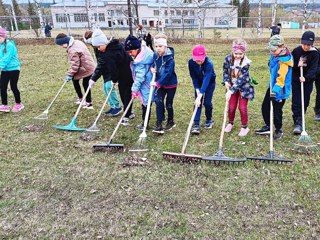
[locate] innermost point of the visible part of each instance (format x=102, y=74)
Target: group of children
x=131, y=66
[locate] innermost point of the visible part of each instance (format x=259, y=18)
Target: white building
x=152, y=13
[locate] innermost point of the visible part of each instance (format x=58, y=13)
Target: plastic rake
x=44, y=114
x=94, y=127
x=72, y=126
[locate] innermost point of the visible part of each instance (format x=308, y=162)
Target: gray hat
x=99, y=38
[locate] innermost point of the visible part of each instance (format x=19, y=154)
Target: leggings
x=85, y=84
x=12, y=77
x=243, y=108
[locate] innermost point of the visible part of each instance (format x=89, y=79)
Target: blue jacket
x=242, y=82
x=142, y=75
x=165, y=76
x=9, y=60
x=202, y=75
x=281, y=75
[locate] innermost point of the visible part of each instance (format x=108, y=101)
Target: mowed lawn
x=53, y=186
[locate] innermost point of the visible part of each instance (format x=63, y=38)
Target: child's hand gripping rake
x=94, y=127
x=219, y=156
x=109, y=145
x=183, y=157
x=271, y=157
x=142, y=138
x=72, y=126
x=305, y=142
x=44, y=114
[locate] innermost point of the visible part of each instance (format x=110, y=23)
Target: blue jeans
x=159, y=95
x=113, y=100
x=207, y=102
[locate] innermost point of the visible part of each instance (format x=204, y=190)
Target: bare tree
x=274, y=12
x=37, y=3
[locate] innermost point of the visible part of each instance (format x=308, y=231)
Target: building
x=152, y=14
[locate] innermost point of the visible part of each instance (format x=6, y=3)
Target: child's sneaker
x=88, y=106
x=196, y=130
x=228, y=128
x=17, y=107
x=108, y=113
x=4, y=108
x=277, y=134
x=125, y=122
x=264, y=130
x=243, y=132
x=140, y=127
x=131, y=116
x=116, y=112
x=79, y=100
x=170, y=125
x=208, y=124
x=159, y=128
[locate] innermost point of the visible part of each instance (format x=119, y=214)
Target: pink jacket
x=80, y=60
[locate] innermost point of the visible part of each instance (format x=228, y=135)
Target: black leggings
x=85, y=84
x=12, y=77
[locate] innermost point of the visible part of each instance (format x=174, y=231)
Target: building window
x=62, y=17
x=191, y=12
x=120, y=22
x=178, y=12
x=188, y=21
x=156, y=12
x=176, y=21
x=101, y=17
x=185, y=13
x=187, y=1
x=80, y=17
x=172, y=12
x=144, y=22
x=166, y=12
x=166, y=21
x=110, y=13
x=118, y=12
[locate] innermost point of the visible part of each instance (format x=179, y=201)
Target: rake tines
x=271, y=158
x=219, y=157
x=181, y=158
x=110, y=148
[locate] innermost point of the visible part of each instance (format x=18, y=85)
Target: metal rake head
x=181, y=158
x=270, y=158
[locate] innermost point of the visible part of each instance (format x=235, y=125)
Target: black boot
x=297, y=129
x=159, y=128
x=170, y=125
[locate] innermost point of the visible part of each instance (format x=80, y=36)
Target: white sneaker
x=125, y=122
x=243, y=132
x=228, y=128
x=87, y=106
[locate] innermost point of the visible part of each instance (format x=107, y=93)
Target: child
x=114, y=65
x=305, y=56
x=142, y=76
x=166, y=81
x=236, y=80
x=10, y=71
x=204, y=81
x=280, y=64
x=115, y=108
x=81, y=65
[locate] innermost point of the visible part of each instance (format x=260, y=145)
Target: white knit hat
x=99, y=38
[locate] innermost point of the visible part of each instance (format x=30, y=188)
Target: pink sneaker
x=228, y=128
x=4, y=108
x=17, y=107
x=244, y=131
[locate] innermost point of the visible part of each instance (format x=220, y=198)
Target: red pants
x=243, y=108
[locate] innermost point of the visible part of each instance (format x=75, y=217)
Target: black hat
x=132, y=43
x=307, y=38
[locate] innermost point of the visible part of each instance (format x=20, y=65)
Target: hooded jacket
x=142, y=75
x=242, y=83
x=281, y=75
x=165, y=76
x=9, y=60
x=311, y=60
x=81, y=62
x=114, y=64
x=202, y=75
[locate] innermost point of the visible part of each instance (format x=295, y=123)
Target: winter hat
x=239, y=44
x=275, y=42
x=199, y=53
x=87, y=38
x=3, y=32
x=62, y=38
x=132, y=43
x=99, y=38
x=308, y=38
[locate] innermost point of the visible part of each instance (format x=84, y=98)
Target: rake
x=44, y=114
x=109, y=145
x=271, y=157
x=219, y=157
x=305, y=142
x=72, y=126
x=94, y=127
x=183, y=157
x=141, y=144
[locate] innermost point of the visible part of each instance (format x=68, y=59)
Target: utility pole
x=14, y=17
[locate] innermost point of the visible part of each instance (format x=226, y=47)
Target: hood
x=114, y=45
x=145, y=56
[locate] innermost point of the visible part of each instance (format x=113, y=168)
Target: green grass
x=52, y=186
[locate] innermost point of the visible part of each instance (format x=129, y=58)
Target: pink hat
x=3, y=32
x=199, y=53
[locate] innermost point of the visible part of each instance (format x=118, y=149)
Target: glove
x=228, y=95
x=91, y=83
x=68, y=78
x=134, y=95
x=272, y=96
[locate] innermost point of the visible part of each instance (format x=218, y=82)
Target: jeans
x=243, y=108
x=85, y=84
x=160, y=94
x=12, y=77
x=207, y=102
x=113, y=99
